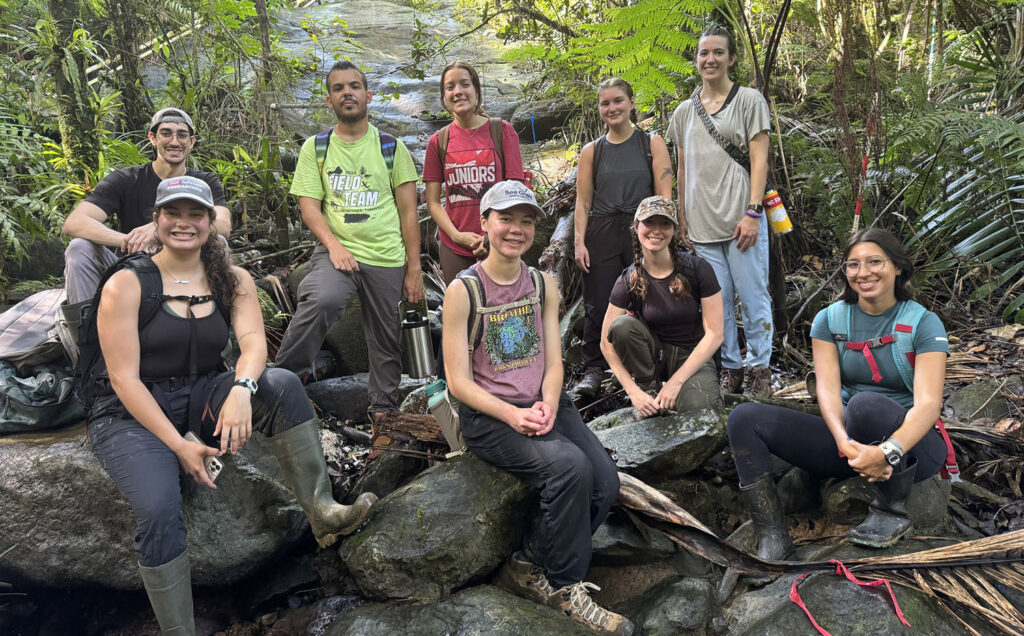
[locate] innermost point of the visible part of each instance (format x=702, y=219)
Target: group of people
x=656, y=315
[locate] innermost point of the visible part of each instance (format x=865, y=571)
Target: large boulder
x=453, y=524
x=984, y=399
x=666, y=446
x=845, y=502
x=70, y=527
x=688, y=606
x=478, y=610
x=549, y=115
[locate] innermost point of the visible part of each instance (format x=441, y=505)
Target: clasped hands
x=866, y=460
x=534, y=421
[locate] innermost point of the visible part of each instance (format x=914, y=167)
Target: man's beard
x=351, y=118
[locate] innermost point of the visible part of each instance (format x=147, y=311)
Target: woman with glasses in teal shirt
x=873, y=423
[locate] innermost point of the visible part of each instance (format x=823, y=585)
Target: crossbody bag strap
x=733, y=151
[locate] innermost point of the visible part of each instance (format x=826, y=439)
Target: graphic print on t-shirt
x=351, y=190
x=468, y=174
x=511, y=339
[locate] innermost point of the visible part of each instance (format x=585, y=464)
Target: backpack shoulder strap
x=598, y=148
x=477, y=302
x=538, y=285
x=838, y=323
x=152, y=287
x=645, y=144
x=320, y=146
x=442, y=146
x=388, y=144
x=908, y=317
x=494, y=124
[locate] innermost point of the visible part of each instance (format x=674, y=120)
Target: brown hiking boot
x=575, y=601
x=759, y=384
x=524, y=578
x=731, y=380
x=590, y=385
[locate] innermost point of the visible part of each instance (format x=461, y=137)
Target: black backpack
x=91, y=378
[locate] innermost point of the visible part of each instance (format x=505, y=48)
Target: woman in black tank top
x=168, y=381
x=614, y=174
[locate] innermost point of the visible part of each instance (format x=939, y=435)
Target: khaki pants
x=638, y=349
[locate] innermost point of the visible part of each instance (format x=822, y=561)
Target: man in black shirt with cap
x=129, y=194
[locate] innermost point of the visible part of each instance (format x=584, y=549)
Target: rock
x=453, y=524
x=549, y=115
x=618, y=540
x=972, y=401
x=846, y=502
x=345, y=336
x=346, y=397
x=666, y=446
x=478, y=610
x=688, y=606
x=385, y=474
x=415, y=402
x=71, y=528
x=266, y=591
x=838, y=605
x=45, y=259
x=615, y=418
x=312, y=619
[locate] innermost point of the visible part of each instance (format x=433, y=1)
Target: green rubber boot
x=302, y=460
x=762, y=499
x=169, y=587
x=887, y=521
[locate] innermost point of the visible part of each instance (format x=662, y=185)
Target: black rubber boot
x=762, y=498
x=887, y=521
x=590, y=385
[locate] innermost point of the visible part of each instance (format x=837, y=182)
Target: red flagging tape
x=794, y=595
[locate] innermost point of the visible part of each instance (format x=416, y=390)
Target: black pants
x=146, y=471
x=577, y=480
x=610, y=243
x=758, y=431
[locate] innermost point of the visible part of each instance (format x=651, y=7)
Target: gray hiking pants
x=84, y=264
x=638, y=349
x=323, y=294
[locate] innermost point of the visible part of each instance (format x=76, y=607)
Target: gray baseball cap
x=656, y=206
x=508, y=194
x=189, y=188
x=171, y=116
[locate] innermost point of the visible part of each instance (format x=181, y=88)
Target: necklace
x=181, y=281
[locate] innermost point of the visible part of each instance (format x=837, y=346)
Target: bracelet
x=898, y=446
x=752, y=215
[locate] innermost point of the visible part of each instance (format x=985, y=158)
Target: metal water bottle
x=417, y=348
x=777, y=216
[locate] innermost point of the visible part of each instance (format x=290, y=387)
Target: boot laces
x=580, y=603
x=540, y=581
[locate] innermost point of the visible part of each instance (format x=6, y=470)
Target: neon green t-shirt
x=359, y=206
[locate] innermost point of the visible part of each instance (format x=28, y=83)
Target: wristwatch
x=756, y=208
x=893, y=454
x=248, y=383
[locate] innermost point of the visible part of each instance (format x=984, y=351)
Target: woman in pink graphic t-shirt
x=471, y=165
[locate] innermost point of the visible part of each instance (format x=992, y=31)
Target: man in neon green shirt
x=364, y=217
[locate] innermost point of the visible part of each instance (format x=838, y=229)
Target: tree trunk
x=136, y=106
x=268, y=119
x=75, y=116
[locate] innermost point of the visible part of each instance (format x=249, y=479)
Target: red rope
x=794, y=595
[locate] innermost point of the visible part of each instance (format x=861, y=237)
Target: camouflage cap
x=656, y=206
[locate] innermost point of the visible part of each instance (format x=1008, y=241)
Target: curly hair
x=679, y=286
x=217, y=264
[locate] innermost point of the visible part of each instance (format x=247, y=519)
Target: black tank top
x=165, y=342
x=623, y=177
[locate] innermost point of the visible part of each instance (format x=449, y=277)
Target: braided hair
x=679, y=286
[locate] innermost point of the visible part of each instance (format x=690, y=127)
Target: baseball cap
x=656, y=206
x=190, y=188
x=170, y=116
x=507, y=194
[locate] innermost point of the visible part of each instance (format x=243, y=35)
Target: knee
x=622, y=327
x=280, y=382
x=864, y=414
x=79, y=250
x=571, y=469
x=741, y=421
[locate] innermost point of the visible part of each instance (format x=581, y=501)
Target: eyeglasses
x=873, y=264
x=181, y=135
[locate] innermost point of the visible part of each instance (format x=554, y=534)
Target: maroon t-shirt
x=675, y=321
x=471, y=167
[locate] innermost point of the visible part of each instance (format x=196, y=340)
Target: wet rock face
x=346, y=397
x=478, y=610
x=688, y=606
x=666, y=446
x=982, y=400
x=72, y=528
x=453, y=524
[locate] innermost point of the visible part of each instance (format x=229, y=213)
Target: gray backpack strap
x=477, y=303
